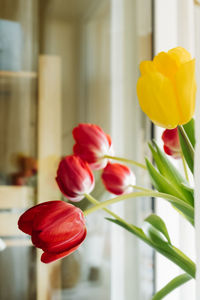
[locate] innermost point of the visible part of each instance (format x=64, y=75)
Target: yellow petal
x=158, y=100
x=165, y=64
x=180, y=55
x=185, y=85
x=147, y=67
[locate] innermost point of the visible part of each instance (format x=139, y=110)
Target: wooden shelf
x=8, y=225
x=16, y=197
x=21, y=74
x=17, y=242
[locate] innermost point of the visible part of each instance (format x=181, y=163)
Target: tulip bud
x=171, y=141
x=56, y=227
x=166, y=88
x=92, y=143
x=118, y=179
x=74, y=178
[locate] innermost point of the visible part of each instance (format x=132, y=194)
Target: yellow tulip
x=166, y=88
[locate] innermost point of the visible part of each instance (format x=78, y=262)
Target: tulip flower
x=167, y=88
x=74, y=178
x=118, y=179
x=92, y=144
x=171, y=141
x=56, y=227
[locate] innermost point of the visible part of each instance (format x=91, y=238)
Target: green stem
x=128, y=196
x=184, y=166
x=129, y=161
x=94, y=201
x=184, y=207
x=136, y=187
x=172, y=285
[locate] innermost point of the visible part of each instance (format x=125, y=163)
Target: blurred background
x=63, y=62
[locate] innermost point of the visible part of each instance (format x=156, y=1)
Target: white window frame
x=197, y=156
x=175, y=26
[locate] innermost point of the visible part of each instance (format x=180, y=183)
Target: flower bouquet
x=166, y=92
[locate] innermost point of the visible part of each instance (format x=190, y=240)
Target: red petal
x=48, y=257
x=89, y=134
x=85, y=153
x=170, y=138
x=25, y=222
x=109, y=139
x=171, y=152
x=52, y=245
x=115, y=173
x=74, y=177
x=92, y=143
x=64, y=229
x=116, y=178
x=167, y=150
x=61, y=215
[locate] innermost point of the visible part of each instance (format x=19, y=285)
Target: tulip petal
x=56, y=215
x=118, y=179
x=158, y=100
x=147, y=67
x=86, y=154
x=180, y=55
x=168, y=150
x=73, y=196
x=109, y=140
x=92, y=144
x=62, y=230
x=174, y=153
x=48, y=257
x=91, y=134
x=54, y=244
x=165, y=64
x=186, y=90
x=26, y=220
x=74, y=177
x=171, y=138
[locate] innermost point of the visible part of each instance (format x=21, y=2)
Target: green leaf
x=156, y=158
x=154, y=235
x=165, y=248
x=172, y=285
x=190, y=131
x=160, y=182
x=168, y=170
x=159, y=225
x=164, y=186
x=188, y=188
x=187, y=148
x=133, y=229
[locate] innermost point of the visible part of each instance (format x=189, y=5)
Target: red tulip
x=74, y=178
x=171, y=142
x=118, y=179
x=92, y=143
x=57, y=227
